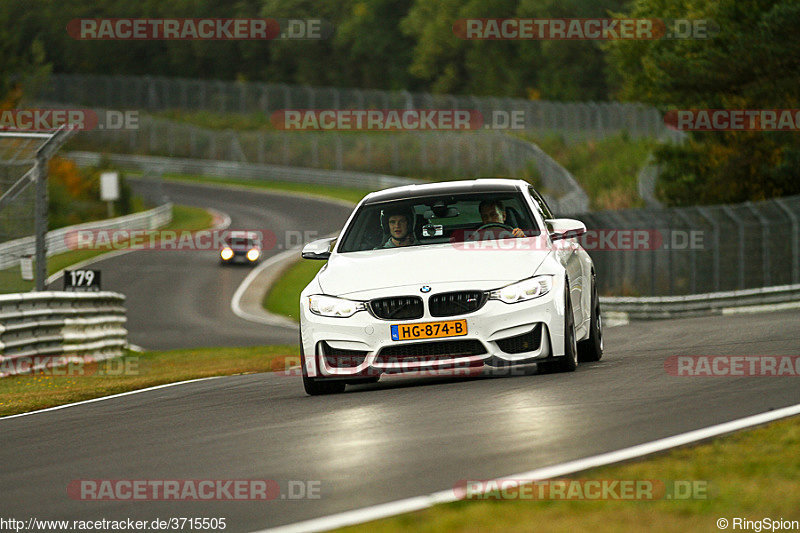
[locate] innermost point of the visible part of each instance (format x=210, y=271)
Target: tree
x=753, y=62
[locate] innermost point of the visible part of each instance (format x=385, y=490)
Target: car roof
x=405, y=192
x=237, y=234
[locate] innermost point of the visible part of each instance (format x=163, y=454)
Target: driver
x=493, y=212
x=399, y=223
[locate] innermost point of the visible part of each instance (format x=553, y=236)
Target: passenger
x=400, y=225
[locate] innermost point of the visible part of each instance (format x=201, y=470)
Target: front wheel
x=316, y=387
x=592, y=348
x=569, y=361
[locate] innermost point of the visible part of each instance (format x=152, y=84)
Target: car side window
x=544, y=210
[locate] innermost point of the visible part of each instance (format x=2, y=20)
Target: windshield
x=241, y=242
x=439, y=219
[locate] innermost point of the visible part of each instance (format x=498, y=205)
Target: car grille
x=527, y=342
x=397, y=308
x=339, y=358
x=456, y=303
x=430, y=351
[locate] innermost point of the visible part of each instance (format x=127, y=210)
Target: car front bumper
x=498, y=335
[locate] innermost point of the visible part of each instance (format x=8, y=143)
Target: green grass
x=606, y=169
x=22, y=393
x=284, y=296
x=183, y=218
x=752, y=474
x=341, y=193
x=219, y=121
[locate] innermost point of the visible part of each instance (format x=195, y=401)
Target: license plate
x=429, y=330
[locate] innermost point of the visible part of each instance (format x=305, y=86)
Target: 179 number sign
x=82, y=280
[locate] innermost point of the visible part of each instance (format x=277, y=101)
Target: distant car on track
x=448, y=275
x=244, y=246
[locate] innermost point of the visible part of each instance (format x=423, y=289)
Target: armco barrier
x=245, y=171
x=40, y=325
x=716, y=303
x=11, y=251
x=574, y=201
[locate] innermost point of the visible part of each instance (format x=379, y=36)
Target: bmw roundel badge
x=425, y=288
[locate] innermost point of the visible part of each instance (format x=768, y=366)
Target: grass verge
x=183, y=218
x=219, y=121
x=327, y=191
x=752, y=474
x=606, y=169
x=284, y=295
x=74, y=383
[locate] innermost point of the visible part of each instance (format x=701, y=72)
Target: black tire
x=569, y=361
x=316, y=387
x=591, y=349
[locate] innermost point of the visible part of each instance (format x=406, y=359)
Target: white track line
x=375, y=512
x=223, y=221
x=57, y=407
x=267, y=318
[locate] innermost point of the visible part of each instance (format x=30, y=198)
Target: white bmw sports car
x=443, y=276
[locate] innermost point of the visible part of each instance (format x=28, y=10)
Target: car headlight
x=252, y=254
x=521, y=291
x=226, y=253
x=336, y=307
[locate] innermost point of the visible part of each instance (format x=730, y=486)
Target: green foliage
x=555, y=70
x=753, y=62
x=74, y=194
x=607, y=169
x=382, y=44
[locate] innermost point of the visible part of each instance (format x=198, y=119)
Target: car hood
x=356, y=272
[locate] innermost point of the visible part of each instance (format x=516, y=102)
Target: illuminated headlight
x=253, y=254
x=335, y=307
x=226, y=253
x=526, y=289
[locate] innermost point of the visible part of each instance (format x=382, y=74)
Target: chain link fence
x=438, y=155
x=17, y=157
x=693, y=250
x=574, y=121
x=652, y=251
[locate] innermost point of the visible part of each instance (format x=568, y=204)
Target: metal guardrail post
x=692, y=257
x=50, y=144
x=728, y=211
x=703, y=212
x=795, y=238
x=619, y=260
x=765, y=263
x=628, y=257
x=642, y=220
x=40, y=221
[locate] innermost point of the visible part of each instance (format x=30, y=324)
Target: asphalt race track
x=373, y=444
x=182, y=298
x=380, y=443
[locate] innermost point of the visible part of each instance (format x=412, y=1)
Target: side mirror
x=319, y=249
x=565, y=228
